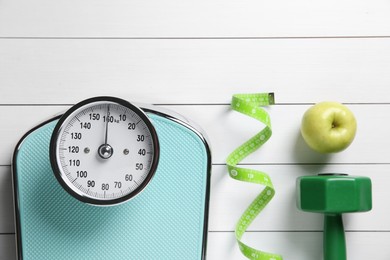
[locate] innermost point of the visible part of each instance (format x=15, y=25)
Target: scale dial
x=104, y=150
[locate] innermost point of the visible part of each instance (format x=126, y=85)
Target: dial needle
x=105, y=150
x=107, y=119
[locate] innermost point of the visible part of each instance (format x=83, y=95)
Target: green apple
x=328, y=127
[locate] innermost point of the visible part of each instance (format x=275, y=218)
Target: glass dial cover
x=104, y=150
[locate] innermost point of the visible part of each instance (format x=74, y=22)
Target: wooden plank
x=216, y=18
x=293, y=246
x=7, y=247
x=299, y=246
x=20, y=119
x=227, y=130
x=41, y=71
x=6, y=202
x=229, y=199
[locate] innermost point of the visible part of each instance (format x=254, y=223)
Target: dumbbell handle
x=334, y=238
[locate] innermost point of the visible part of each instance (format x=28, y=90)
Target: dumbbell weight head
x=334, y=193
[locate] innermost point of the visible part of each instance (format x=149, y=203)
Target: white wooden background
x=191, y=56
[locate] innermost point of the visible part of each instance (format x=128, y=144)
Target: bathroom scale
x=110, y=179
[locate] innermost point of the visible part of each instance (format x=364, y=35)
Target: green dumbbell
x=334, y=194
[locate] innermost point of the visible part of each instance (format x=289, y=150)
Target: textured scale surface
x=165, y=221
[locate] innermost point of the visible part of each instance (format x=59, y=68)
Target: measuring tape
x=249, y=104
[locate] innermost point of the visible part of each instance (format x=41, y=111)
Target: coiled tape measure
x=249, y=104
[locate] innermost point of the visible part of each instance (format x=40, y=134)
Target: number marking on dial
x=102, y=154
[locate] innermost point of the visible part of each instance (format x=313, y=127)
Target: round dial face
x=104, y=150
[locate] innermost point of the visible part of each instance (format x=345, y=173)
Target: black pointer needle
x=105, y=150
x=107, y=118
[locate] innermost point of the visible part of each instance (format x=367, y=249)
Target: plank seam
x=192, y=104
x=196, y=38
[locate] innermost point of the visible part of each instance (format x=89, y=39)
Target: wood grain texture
x=64, y=71
x=190, y=57
x=202, y=18
x=227, y=130
x=7, y=247
x=298, y=246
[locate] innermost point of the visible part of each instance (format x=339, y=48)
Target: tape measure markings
x=250, y=105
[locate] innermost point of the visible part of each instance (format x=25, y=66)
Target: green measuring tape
x=250, y=105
